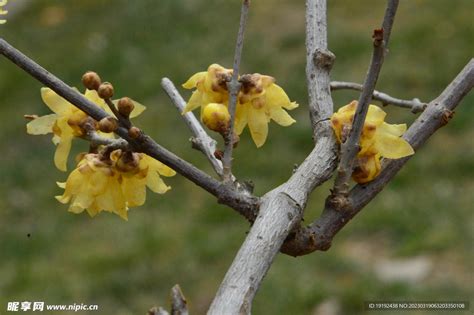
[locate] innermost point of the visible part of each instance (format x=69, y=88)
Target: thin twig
x=178, y=302
x=350, y=147
x=234, y=87
x=201, y=139
x=415, y=105
x=124, y=121
x=243, y=202
x=319, y=235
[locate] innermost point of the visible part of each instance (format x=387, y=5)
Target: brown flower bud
x=106, y=90
x=125, y=106
x=91, y=80
x=108, y=124
x=134, y=132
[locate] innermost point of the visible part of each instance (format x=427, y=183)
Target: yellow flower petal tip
x=378, y=139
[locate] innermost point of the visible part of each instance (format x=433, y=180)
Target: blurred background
x=413, y=242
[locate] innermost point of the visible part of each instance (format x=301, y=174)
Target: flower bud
x=91, y=80
x=108, y=124
x=106, y=90
x=134, y=132
x=216, y=117
x=125, y=106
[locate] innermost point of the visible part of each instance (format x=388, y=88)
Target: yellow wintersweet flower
x=113, y=185
x=211, y=87
x=378, y=139
x=94, y=186
x=137, y=171
x=259, y=101
x=66, y=122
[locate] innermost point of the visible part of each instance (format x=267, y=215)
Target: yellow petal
x=257, y=120
x=241, y=115
x=194, y=102
x=367, y=169
x=193, y=80
x=281, y=117
x=62, y=153
x=82, y=201
x=61, y=185
x=41, y=125
x=55, y=102
x=63, y=199
x=93, y=210
x=276, y=97
x=375, y=115
x=134, y=191
x=395, y=130
x=93, y=96
x=156, y=184
x=155, y=165
x=392, y=147
x=75, y=208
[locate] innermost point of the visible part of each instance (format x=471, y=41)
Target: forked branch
x=350, y=147
x=234, y=87
x=241, y=201
x=319, y=235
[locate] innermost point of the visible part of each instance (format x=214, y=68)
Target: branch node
x=323, y=58
x=446, y=116
x=378, y=37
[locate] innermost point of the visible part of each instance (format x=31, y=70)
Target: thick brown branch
x=241, y=201
x=319, y=235
x=415, y=104
x=350, y=147
x=234, y=87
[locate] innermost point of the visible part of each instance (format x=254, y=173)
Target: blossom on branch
x=378, y=139
x=113, y=183
x=67, y=122
x=259, y=100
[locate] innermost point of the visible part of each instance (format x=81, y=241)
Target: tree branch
x=319, y=61
x=282, y=208
x=241, y=201
x=350, y=147
x=319, y=235
x=234, y=87
x=201, y=140
x=415, y=104
x=178, y=302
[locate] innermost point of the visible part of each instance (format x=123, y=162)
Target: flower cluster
x=113, y=183
x=259, y=101
x=378, y=139
x=67, y=122
x=105, y=179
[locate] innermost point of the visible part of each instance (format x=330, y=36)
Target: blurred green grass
x=185, y=237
